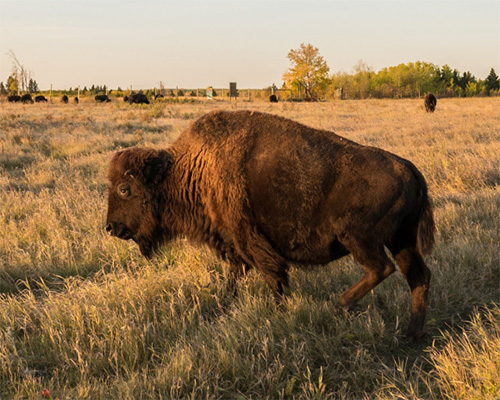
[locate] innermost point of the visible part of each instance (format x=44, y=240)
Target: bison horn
x=131, y=173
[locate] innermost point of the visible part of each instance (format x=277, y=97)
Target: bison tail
x=426, y=228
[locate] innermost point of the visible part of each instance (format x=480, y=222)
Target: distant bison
x=430, y=102
x=137, y=98
x=26, y=98
x=64, y=99
x=76, y=100
x=40, y=99
x=265, y=191
x=102, y=98
x=273, y=98
x=14, y=98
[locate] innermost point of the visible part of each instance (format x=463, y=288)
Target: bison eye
x=124, y=190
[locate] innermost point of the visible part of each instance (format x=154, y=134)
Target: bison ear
x=157, y=166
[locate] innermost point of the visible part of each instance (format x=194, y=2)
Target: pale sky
x=195, y=44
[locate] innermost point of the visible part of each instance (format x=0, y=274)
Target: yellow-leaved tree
x=308, y=71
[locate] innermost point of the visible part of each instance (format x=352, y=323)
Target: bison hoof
x=415, y=336
x=342, y=311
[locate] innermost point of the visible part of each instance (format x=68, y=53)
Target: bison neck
x=185, y=210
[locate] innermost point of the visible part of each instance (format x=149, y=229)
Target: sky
x=195, y=44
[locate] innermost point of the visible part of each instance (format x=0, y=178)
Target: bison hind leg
x=418, y=276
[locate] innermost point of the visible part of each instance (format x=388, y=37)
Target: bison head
x=134, y=196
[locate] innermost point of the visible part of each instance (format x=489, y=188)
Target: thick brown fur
x=430, y=102
x=265, y=191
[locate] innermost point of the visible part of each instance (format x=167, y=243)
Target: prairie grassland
x=85, y=316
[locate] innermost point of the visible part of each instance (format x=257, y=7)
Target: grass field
x=85, y=316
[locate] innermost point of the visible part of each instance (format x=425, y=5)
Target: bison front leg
x=257, y=252
x=237, y=269
x=237, y=266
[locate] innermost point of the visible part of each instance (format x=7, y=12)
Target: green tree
x=443, y=81
x=492, y=82
x=362, y=79
x=308, y=70
x=2, y=89
x=471, y=89
x=33, y=86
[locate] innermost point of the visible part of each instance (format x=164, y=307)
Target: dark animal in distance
x=137, y=98
x=64, y=99
x=273, y=98
x=26, y=98
x=102, y=98
x=77, y=100
x=430, y=102
x=14, y=98
x=40, y=99
x=312, y=199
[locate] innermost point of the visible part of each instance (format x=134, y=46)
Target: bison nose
x=119, y=230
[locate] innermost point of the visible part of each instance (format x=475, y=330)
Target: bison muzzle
x=264, y=192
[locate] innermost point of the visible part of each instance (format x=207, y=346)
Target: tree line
x=309, y=76
x=413, y=79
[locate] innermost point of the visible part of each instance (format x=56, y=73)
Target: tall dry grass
x=84, y=316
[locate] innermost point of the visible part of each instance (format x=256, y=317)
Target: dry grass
x=84, y=316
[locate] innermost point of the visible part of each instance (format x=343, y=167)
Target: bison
x=40, y=99
x=64, y=99
x=273, y=98
x=264, y=191
x=102, y=98
x=26, y=98
x=14, y=98
x=137, y=98
x=430, y=102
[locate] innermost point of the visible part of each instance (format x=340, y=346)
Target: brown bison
x=40, y=99
x=102, y=98
x=26, y=98
x=14, y=98
x=265, y=191
x=430, y=102
x=65, y=99
x=137, y=98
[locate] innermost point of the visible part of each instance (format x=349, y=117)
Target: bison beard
x=264, y=191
